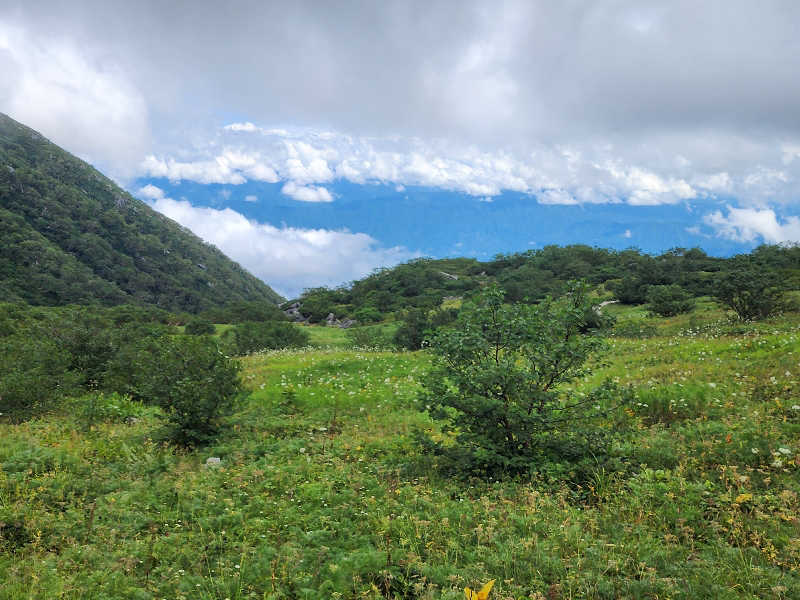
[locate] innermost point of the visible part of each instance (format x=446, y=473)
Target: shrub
x=368, y=337
x=411, y=332
x=368, y=314
x=634, y=328
x=495, y=385
x=191, y=380
x=247, y=338
x=97, y=407
x=669, y=300
x=34, y=375
x=199, y=326
x=752, y=292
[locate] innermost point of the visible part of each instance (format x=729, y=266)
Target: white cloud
x=627, y=234
x=750, y=224
x=251, y=198
x=151, y=192
x=288, y=259
x=306, y=193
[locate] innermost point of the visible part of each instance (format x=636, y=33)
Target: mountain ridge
x=71, y=235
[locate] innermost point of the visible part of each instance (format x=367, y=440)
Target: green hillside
x=68, y=234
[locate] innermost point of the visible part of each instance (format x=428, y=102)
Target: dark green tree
x=669, y=300
x=752, y=291
x=497, y=378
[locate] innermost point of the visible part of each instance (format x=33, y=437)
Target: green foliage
x=98, y=407
x=669, y=300
x=413, y=328
x=199, y=326
x=751, y=291
x=634, y=328
x=367, y=314
x=247, y=338
x=497, y=378
x=34, y=375
x=368, y=337
x=192, y=381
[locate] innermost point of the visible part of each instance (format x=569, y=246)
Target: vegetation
x=70, y=235
x=752, y=291
x=247, y=338
x=669, y=300
x=528, y=277
x=321, y=490
x=497, y=380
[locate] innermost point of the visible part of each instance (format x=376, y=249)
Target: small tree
x=496, y=379
x=191, y=380
x=669, y=300
x=199, y=326
x=247, y=338
x=752, y=291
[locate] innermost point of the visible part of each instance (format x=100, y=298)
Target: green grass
x=322, y=493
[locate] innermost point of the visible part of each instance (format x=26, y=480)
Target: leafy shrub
x=669, y=300
x=368, y=314
x=368, y=337
x=247, y=338
x=752, y=292
x=98, y=407
x=634, y=328
x=191, y=380
x=494, y=385
x=411, y=333
x=34, y=375
x=199, y=326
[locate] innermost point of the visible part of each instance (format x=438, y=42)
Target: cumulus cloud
x=287, y=258
x=754, y=224
x=306, y=193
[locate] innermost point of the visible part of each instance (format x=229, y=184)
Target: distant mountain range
x=68, y=234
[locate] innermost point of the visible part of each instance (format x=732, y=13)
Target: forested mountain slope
x=68, y=234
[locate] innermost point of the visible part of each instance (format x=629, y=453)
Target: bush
x=368, y=314
x=271, y=335
x=752, y=292
x=191, y=380
x=200, y=326
x=34, y=375
x=495, y=381
x=411, y=333
x=368, y=337
x=97, y=407
x=669, y=300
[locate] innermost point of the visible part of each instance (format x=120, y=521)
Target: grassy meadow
x=321, y=491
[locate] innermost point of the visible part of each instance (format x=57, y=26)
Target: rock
x=448, y=275
x=212, y=462
x=347, y=323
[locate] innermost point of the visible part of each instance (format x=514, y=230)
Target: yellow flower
x=482, y=595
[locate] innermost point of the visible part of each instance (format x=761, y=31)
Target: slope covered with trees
x=68, y=234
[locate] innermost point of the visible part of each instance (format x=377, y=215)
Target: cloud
x=86, y=104
x=452, y=99
x=287, y=258
x=750, y=224
x=627, y=234
x=232, y=166
x=306, y=193
x=150, y=192
x=251, y=198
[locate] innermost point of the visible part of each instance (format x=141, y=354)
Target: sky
x=314, y=142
